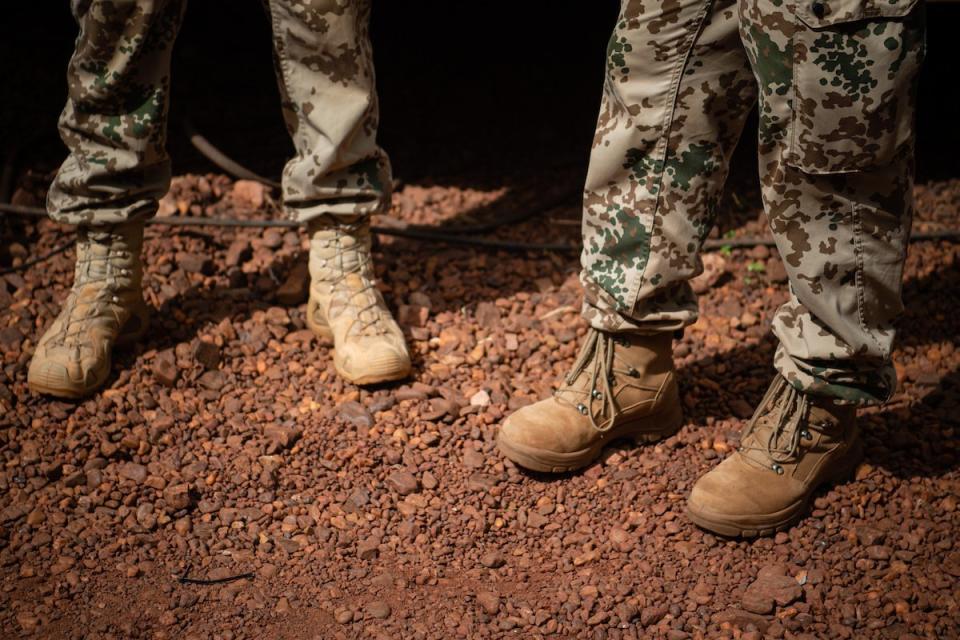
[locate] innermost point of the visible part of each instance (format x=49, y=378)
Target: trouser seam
x=859, y=275
x=662, y=147
x=791, y=148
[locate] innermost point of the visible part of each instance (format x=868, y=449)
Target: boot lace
x=106, y=292
x=368, y=317
x=598, y=360
x=782, y=444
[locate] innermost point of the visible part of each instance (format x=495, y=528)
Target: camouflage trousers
x=114, y=123
x=836, y=85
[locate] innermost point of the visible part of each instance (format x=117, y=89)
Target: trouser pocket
x=855, y=72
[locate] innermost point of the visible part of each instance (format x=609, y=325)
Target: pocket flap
x=824, y=13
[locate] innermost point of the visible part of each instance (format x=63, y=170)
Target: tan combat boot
x=793, y=444
x=104, y=308
x=346, y=306
x=621, y=386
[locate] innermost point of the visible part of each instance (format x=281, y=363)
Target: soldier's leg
x=836, y=161
x=338, y=177
x=115, y=120
x=836, y=138
x=677, y=92
x=114, y=125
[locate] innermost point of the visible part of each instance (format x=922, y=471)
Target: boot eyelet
x=777, y=468
x=806, y=435
x=582, y=408
x=115, y=299
x=597, y=395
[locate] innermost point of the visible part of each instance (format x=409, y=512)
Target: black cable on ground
x=417, y=233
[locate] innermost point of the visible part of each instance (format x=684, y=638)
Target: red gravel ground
x=225, y=444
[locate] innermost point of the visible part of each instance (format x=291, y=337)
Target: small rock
x=493, y=560
x=378, y=609
x=652, y=615
x=368, y=549
x=62, y=564
x=195, y=263
x=249, y=193
x=489, y=602
x=283, y=606
x=284, y=437
x=472, y=458
x=356, y=414
x=878, y=552
x=403, y=482
x=178, y=496
x=132, y=471
x=769, y=589
x=213, y=380
x=207, y=354
x=869, y=536
x=165, y=368
x=487, y=315
x=480, y=399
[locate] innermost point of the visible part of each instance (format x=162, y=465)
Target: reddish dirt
x=225, y=444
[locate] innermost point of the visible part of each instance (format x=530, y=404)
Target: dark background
x=471, y=94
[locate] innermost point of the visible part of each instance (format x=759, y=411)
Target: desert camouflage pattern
x=836, y=87
x=115, y=120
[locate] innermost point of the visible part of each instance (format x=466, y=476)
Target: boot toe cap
x=375, y=361
x=728, y=490
x=59, y=379
x=548, y=430
x=739, y=499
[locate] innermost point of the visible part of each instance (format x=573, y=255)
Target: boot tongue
x=773, y=428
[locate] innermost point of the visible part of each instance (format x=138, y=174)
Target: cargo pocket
x=855, y=73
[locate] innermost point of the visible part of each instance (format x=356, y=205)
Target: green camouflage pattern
x=836, y=87
x=115, y=120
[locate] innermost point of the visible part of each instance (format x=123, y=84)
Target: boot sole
x=323, y=332
x=125, y=339
x=780, y=520
x=645, y=430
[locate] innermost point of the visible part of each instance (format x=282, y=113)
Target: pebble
x=355, y=413
x=133, y=471
x=493, y=560
x=403, y=482
x=378, y=609
x=489, y=602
